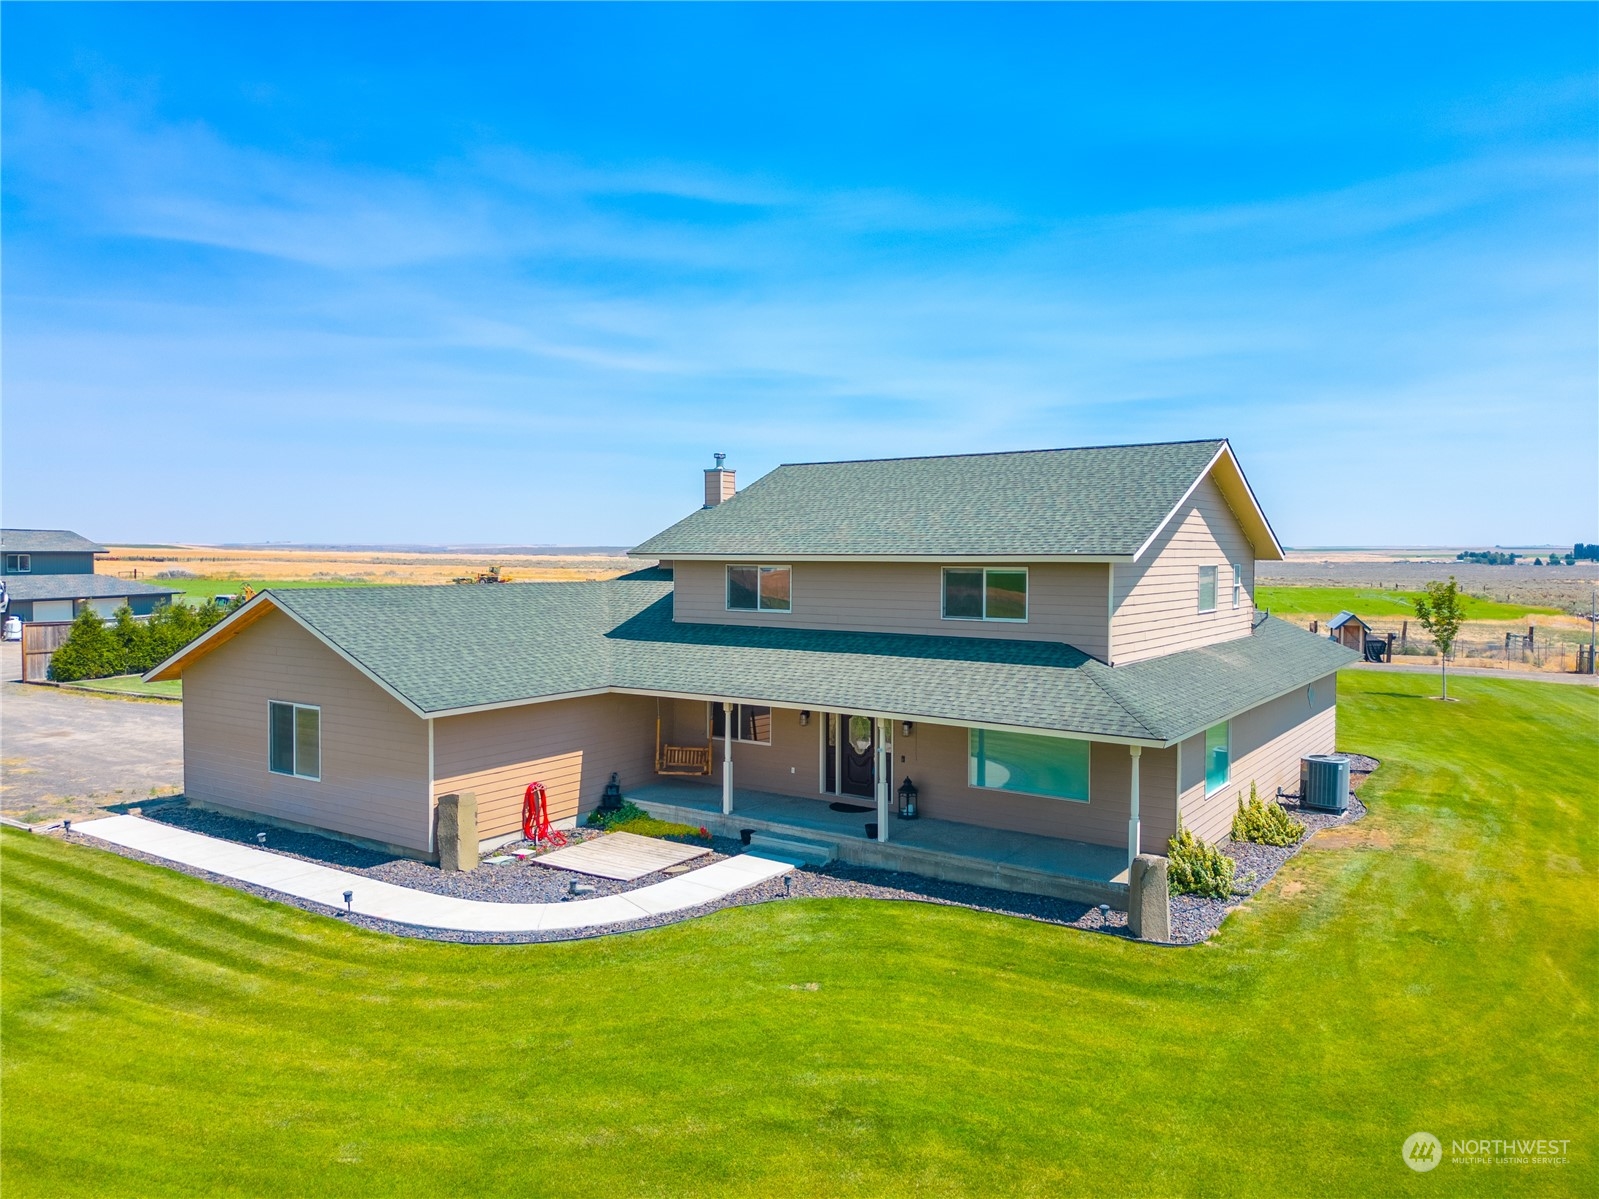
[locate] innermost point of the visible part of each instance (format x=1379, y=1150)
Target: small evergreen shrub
x=1265, y=822
x=89, y=652
x=1198, y=868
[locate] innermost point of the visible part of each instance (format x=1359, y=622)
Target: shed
x=1348, y=630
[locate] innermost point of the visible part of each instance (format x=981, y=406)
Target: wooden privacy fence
x=40, y=639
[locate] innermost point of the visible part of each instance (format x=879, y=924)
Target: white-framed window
x=1238, y=584
x=1053, y=767
x=19, y=564
x=1218, y=757
x=1207, y=588
x=759, y=589
x=294, y=739
x=751, y=722
x=985, y=593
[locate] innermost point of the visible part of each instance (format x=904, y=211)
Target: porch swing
x=680, y=760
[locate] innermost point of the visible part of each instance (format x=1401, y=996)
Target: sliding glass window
x=759, y=589
x=985, y=594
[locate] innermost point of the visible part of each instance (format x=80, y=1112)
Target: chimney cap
x=720, y=458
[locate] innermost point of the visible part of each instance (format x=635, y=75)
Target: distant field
x=204, y=589
x=226, y=568
x=1328, y=601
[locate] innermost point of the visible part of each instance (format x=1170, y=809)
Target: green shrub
x=628, y=812
x=89, y=652
x=1198, y=868
x=648, y=826
x=1265, y=822
x=97, y=650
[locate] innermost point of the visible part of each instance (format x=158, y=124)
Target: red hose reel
x=536, y=817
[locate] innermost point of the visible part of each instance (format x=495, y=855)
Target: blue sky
x=511, y=273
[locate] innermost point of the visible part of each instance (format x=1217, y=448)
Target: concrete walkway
x=402, y=905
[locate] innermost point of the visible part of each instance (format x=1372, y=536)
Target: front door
x=856, y=744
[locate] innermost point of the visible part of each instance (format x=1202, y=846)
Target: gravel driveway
x=65, y=753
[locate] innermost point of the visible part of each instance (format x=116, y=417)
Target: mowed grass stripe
x=1442, y=983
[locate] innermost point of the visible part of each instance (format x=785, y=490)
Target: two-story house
x=49, y=576
x=1058, y=650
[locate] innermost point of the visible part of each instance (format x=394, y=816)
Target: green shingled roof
x=448, y=648
x=1102, y=501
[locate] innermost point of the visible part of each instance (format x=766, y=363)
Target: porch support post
x=727, y=759
x=1133, y=849
x=880, y=779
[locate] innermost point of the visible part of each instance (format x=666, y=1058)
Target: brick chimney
x=719, y=484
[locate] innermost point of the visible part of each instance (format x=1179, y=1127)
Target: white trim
x=432, y=787
x=1227, y=451
x=294, y=746
x=985, y=618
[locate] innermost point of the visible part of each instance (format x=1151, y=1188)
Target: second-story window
x=1238, y=584
x=19, y=563
x=759, y=589
x=1207, y=588
x=985, y=594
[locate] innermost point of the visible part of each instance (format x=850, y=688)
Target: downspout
x=1110, y=612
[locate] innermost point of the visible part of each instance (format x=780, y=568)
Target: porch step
x=793, y=850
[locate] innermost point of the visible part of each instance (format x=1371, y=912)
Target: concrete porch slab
x=940, y=849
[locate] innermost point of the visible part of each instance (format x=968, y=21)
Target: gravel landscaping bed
x=1193, y=918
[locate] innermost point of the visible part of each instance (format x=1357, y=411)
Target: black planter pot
x=871, y=831
x=744, y=835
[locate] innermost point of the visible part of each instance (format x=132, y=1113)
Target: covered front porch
x=941, y=849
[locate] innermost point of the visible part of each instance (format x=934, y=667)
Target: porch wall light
x=907, y=728
x=805, y=717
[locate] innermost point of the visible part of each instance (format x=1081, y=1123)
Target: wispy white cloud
x=508, y=298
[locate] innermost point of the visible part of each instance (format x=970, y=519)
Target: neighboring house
x=1059, y=649
x=49, y=576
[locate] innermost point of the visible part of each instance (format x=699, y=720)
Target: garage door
x=106, y=608
x=52, y=609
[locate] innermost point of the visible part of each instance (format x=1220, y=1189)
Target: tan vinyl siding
x=571, y=746
x=1267, y=743
x=374, y=752
x=1156, y=600
x=1065, y=601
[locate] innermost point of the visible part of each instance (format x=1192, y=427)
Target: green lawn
x=1371, y=601
x=165, y=1036
x=134, y=684
x=207, y=588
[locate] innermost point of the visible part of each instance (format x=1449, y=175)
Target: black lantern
x=611, y=799
x=907, y=799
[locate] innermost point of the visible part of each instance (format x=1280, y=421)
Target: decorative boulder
x=457, y=834
x=1149, y=899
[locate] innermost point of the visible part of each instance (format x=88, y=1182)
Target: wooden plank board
x=623, y=856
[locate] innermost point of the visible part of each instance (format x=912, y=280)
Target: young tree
x=89, y=652
x=1440, y=611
